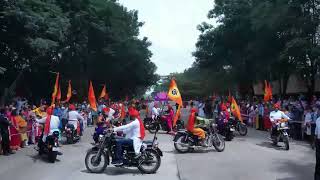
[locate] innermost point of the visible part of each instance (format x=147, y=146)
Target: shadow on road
x=270, y=145
x=115, y=171
x=42, y=158
x=296, y=171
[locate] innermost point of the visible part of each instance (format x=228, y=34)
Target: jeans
x=120, y=143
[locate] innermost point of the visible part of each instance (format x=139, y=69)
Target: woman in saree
x=15, y=141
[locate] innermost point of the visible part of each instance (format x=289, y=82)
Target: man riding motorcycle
x=193, y=129
x=74, y=117
x=135, y=134
x=51, y=124
x=275, y=117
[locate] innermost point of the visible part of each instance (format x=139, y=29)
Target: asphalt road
x=245, y=158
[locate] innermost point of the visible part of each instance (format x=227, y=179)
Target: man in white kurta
x=133, y=138
x=54, y=125
x=275, y=116
x=74, y=117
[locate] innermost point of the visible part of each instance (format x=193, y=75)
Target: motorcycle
x=240, y=127
x=185, y=141
x=50, y=146
x=71, y=134
x=98, y=157
x=226, y=129
x=281, y=134
x=151, y=124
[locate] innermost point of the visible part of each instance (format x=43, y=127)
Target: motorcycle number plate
x=55, y=149
x=285, y=133
x=232, y=129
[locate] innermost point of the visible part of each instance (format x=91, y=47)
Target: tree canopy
x=84, y=40
x=254, y=40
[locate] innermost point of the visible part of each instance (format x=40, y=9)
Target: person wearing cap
x=275, y=116
x=135, y=134
x=74, y=117
x=51, y=123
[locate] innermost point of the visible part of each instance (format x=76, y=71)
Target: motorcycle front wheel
x=218, y=142
x=242, y=128
x=149, y=162
x=96, y=164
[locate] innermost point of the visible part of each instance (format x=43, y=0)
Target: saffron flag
x=174, y=95
x=69, y=93
x=92, y=98
x=235, y=109
x=59, y=94
x=104, y=93
x=267, y=91
x=55, y=89
x=270, y=91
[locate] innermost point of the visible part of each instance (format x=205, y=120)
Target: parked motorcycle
x=151, y=124
x=49, y=147
x=185, y=141
x=281, y=134
x=71, y=134
x=98, y=157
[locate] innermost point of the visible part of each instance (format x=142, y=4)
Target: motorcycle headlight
x=100, y=138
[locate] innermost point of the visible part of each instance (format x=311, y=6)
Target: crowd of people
x=19, y=122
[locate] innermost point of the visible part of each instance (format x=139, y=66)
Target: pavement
x=245, y=158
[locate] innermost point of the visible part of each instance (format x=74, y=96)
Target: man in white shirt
x=54, y=123
x=109, y=112
x=154, y=111
x=275, y=116
x=134, y=132
x=74, y=117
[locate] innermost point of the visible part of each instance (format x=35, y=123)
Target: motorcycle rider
x=275, y=116
x=74, y=117
x=154, y=111
x=193, y=129
x=135, y=134
x=51, y=124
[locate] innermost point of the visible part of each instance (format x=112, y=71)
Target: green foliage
x=259, y=39
x=82, y=39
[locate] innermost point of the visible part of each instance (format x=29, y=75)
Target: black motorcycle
x=185, y=141
x=280, y=134
x=226, y=129
x=159, y=122
x=71, y=134
x=50, y=146
x=240, y=127
x=98, y=157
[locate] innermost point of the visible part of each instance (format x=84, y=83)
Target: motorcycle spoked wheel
x=243, y=130
x=218, y=142
x=149, y=162
x=96, y=165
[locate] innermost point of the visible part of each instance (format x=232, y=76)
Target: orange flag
x=174, y=95
x=235, y=109
x=69, y=93
x=55, y=89
x=267, y=91
x=92, y=98
x=104, y=93
x=270, y=91
x=59, y=94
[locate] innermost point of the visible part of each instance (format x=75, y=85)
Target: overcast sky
x=171, y=27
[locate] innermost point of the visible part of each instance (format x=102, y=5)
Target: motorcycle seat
x=148, y=142
x=70, y=126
